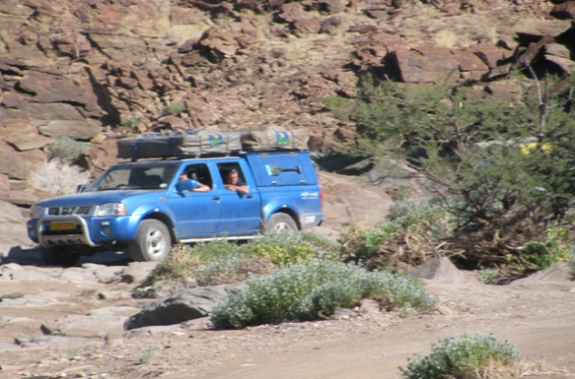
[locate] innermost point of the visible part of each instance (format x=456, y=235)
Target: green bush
x=179, y=265
x=461, y=357
x=67, y=149
x=313, y=290
x=503, y=168
x=288, y=248
x=413, y=229
x=131, y=122
x=174, y=108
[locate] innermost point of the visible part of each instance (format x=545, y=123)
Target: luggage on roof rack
x=195, y=143
x=270, y=138
x=192, y=143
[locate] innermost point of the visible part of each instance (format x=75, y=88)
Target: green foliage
x=288, y=248
x=313, y=290
x=487, y=275
x=503, y=168
x=461, y=357
x=424, y=222
x=145, y=355
x=179, y=265
x=174, y=108
x=131, y=122
x=339, y=105
x=222, y=261
x=66, y=149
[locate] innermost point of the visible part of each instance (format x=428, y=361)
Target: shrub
x=461, y=357
x=502, y=167
x=66, y=149
x=131, y=122
x=288, y=248
x=59, y=178
x=232, y=270
x=413, y=230
x=211, y=263
x=315, y=289
x=179, y=265
x=174, y=108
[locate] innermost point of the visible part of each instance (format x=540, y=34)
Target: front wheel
x=152, y=242
x=281, y=222
x=59, y=256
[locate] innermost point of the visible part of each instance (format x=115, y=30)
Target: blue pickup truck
x=143, y=207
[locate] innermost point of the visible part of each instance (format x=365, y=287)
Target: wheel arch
x=162, y=217
x=290, y=212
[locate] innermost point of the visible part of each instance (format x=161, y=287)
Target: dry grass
x=524, y=369
x=58, y=178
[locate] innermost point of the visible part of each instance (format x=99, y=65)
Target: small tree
x=503, y=169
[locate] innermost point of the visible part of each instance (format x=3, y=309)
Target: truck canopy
x=282, y=168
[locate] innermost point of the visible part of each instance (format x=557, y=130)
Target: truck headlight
x=112, y=209
x=37, y=211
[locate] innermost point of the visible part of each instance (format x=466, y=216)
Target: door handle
x=249, y=196
x=217, y=198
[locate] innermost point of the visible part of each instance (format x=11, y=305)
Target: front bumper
x=89, y=231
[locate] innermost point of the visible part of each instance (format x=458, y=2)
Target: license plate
x=62, y=225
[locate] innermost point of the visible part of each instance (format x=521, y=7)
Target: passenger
x=195, y=185
x=233, y=183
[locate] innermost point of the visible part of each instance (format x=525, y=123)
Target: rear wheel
x=152, y=242
x=281, y=222
x=60, y=255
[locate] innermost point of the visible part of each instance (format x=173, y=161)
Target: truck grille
x=66, y=211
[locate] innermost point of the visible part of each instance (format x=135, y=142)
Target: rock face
x=98, y=70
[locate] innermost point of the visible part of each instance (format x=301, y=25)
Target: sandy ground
x=537, y=316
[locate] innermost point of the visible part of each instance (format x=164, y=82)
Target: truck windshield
x=153, y=177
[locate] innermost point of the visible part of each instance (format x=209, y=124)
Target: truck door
x=240, y=213
x=197, y=213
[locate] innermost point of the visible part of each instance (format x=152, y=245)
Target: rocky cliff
x=94, y=70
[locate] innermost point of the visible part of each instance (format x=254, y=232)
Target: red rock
x=423, y=65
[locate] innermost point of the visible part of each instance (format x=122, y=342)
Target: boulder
x=350, y=202
x=564, y=11
x=18, y=165
x=560, y=272
x=22, y=134
x=470, y=64
x=21, y=198
x=218, y=44
x=187, y=304
x=305, y=25
x=291, y=11
x=423, y=65
x=99, y=156
x=49, y=88
x=79, y=130
x=443, y=271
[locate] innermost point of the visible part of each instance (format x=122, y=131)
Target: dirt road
x=537, y=316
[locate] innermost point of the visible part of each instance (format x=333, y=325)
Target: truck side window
x=200, y=173
x=226, y=168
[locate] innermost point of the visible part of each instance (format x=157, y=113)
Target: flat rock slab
x=114, y=311
x=85, y=326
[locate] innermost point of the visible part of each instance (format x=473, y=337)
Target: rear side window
x=289, y=168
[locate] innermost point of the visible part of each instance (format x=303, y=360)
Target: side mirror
x=81, y=187
x=185, y=185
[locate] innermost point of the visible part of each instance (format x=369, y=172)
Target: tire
x=281, y=222
x=152, y=242
x=59, y=256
